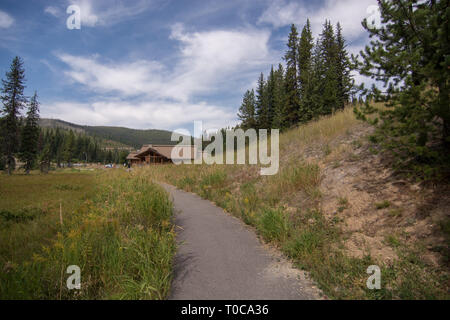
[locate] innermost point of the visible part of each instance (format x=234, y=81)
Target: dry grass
x=116, y=227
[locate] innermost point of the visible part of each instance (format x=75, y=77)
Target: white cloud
x=349, y=13
x=143, y=115
x=6, y=20
x=105, y=13
x=206, y=62
x=148, y=94
x=128, y=79
x=211, y=58
x=54, y=11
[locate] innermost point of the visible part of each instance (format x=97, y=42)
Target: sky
x=159, y=64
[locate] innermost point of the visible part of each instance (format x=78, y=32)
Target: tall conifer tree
x=328, y=57
x=262, y=104
x=30, y=135
x=270, y=97
x=410, y=54
x=344, y=78
x=279, y=100
x=305, y=55
x=247, y=110
x=291, y=82
x=13, y=100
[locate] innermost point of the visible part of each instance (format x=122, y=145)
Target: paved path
x=220, y=258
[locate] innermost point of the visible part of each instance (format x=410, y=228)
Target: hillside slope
x=129, y=137
x=335, y=208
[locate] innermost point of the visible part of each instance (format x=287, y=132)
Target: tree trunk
x=10, y=161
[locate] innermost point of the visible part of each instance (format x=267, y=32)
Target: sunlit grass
x=116, y=227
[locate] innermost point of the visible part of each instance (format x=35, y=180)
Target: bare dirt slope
x=379, y=208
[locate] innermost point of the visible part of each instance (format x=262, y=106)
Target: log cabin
x=160, y=154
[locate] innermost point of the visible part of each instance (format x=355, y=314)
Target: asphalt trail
x=220, y=258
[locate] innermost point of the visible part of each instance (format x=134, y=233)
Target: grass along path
x=116, y=227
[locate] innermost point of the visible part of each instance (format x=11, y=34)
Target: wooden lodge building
x=159, y=154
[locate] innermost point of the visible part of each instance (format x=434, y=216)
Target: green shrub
x=22, y=215
x=382, y=205
x=215, y=179
x=274, y=225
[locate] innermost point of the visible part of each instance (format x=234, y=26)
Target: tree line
x=65, y=147
x=22, y=138
x=315, y=81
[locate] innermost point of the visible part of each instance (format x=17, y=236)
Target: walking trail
x=221, y=258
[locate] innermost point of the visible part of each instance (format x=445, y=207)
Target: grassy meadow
x=285, y=210
x=115, y=225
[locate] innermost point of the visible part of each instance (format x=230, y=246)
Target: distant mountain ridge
x=134, y=138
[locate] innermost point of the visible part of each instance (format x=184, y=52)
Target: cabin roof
x=182, y=152
x=132, y=156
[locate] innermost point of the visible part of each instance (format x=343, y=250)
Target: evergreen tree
x=344, y=79
x=410, y=54
x=44, y=158
x=279, y=100
x=305, y=67
x=270, y=92
x=328, y=59
x=318, y=71
x=262, y=104
x=291, y=82
x=30, y=136
x=57, y=147
x=69, y=148
x=247, y=110
x=13, y=100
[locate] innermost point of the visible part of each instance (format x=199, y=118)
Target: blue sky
x=157, y=63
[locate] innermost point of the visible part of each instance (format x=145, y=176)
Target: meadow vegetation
x=115, y=226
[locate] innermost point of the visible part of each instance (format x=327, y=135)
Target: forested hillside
x=65, y=146
x=127, y=137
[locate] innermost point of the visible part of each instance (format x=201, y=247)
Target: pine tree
x=305, y=68
x=410, y=54
x=318, y=78
x=30, y=136
x=328, y=57
x=247, y=110
x=270, y=92
x=262, y=104
x=344, y=78
x=44, y=158
x=291, y=80
x=69, y=148
x=279, y=100
x=57, y=147
x=13, y=100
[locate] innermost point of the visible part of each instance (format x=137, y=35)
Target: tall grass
x=121, y=237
